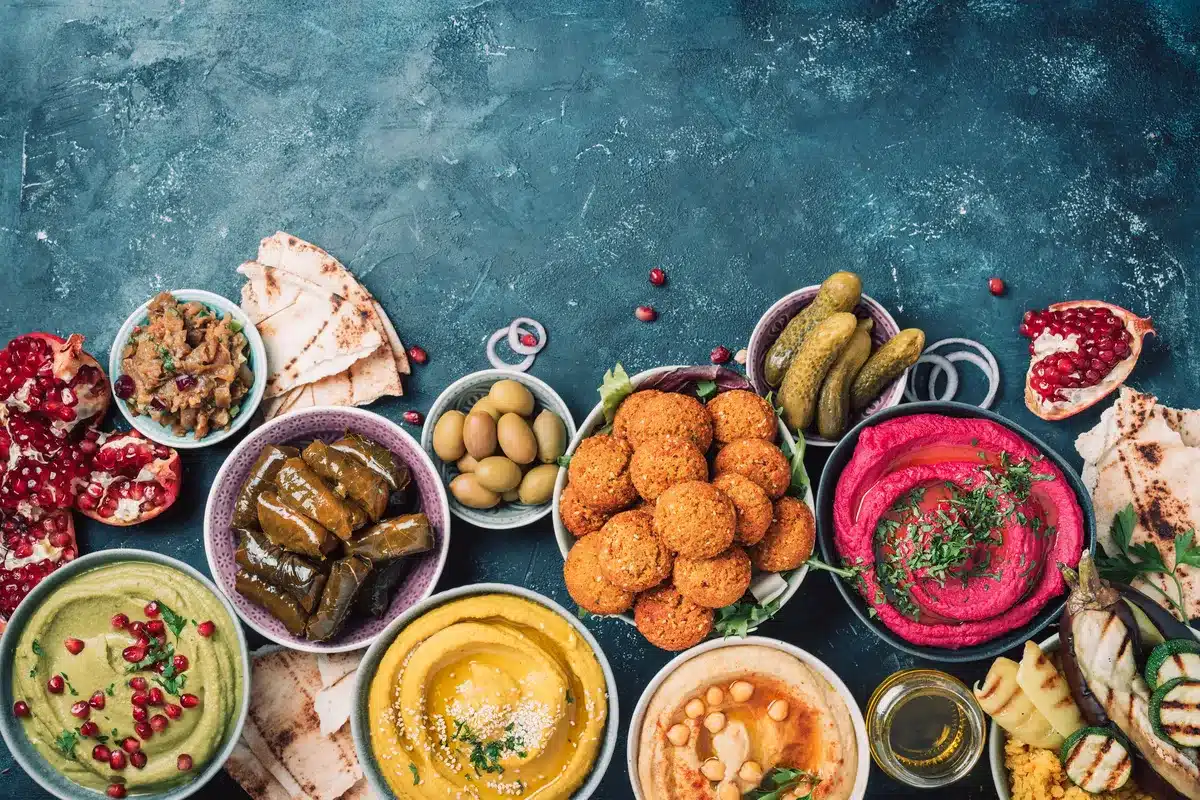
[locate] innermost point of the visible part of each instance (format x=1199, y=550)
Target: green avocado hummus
x=199, y=705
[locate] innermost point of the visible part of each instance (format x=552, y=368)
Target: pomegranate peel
x=132, y=480
x=1081, y=352
x=29, y=551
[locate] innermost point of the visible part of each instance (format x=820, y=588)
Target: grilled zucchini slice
x=1176, y=658
x=1097, y=760
x=1175, y=712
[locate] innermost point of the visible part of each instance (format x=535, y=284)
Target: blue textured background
x=475, y=162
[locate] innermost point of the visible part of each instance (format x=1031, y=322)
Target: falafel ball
x=695, y=519
x=658, y=464
x=741, y=414
x=669, y=620
x=789, y=540
x=714, y=582
x=671, y=414
x=630, y=410
x=753, y=507
x=579, y=518
x=631, y=556
x=587, y=585
x=599, y=472
x=760, y=461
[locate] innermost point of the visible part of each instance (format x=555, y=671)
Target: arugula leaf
x=800, y=483
x=705, y=390
x=615, y=388
x=740, y=618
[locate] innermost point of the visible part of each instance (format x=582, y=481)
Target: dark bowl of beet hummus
x=955, y=522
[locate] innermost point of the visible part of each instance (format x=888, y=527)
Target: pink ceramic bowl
x=772, y=323
x=302, y=426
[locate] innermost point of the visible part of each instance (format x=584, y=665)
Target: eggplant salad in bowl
x=1109, y=708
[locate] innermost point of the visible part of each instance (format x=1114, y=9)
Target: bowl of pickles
x=496, y=437
x=324, y=525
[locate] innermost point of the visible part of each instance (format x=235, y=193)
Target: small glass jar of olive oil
x=925, y=728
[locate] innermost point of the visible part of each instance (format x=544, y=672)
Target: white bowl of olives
x=496, y=437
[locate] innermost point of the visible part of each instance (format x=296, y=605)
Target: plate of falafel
x=684, y=508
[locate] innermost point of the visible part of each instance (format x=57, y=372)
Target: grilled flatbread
x=1148, y=455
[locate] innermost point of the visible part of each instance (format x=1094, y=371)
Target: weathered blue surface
x=476, y=162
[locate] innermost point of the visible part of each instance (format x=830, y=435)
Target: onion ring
x=514, y=336
x=987, y=354
x=973, y=358
x=521, y=366
x=951, y=378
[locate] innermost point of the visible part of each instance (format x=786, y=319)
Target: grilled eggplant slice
x=1097, y=760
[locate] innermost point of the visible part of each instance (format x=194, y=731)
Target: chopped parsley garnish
x=1143, y=558
x=65, y=743
x=173, y=621
x=416, y=775
x=780, y=781
x=168, y=361
x=110, y=690
x=155, y=653
x=37, y=648
x=485, y=756
x=564, y=461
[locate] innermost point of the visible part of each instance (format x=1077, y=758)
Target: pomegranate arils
x=21, y=708
x=138, y=759
x=657, y=277
x=157, y=698
x=29, y=551
x=124, y=387
x=996, y=286
x=138, y=684
x=189, y=700
x=156, y=627
x=134, y=653
x=130, y=744
x=116, y=759
x=1096, y=331
x=143, y=730
x=159, y=723
x=53, y=379
x=80, y=710
x=173, y=711
x=139, y=714
x=97, y=701
x=413, y=417
x=645, y=313
x=184, y=762
x=529, y=340
x=418, y=354
x=56, y=684
x=206, y=628
x=119, y=621
x=131, y=480
x=116, y=790
x=180, y=662
x=185, y=382
x=89, y=728
x=720, y=354
x=74, y=646
x=140, y=699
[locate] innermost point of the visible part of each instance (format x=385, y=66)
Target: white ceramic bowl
x=814, y=663
x=15, y=739
x=327, y=422
x=258, y=363
x=460, y=396
x=595, y=421
x=359, y=719
x=997, y=737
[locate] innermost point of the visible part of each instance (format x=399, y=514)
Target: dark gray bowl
x=838, y=459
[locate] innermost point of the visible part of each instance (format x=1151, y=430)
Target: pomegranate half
x=54, y=379
x=132, y=480
x=1080, y=352
x=30, y=549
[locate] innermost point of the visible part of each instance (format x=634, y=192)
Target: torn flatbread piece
x=1146, y=455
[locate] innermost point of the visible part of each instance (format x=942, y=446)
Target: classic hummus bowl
x=957, y=520
x=490, y=687
x=162, y=725
x=730, y=715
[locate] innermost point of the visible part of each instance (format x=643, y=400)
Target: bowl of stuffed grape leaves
x=324, y=525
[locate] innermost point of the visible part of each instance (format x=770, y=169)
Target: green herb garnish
x=1143, y=558
x=173, y=621
x=235, y=326
x=583, y=613
x=416, y=775
x=485, y=756
x=564, y=461
x=37, y=648
x=65, y=743
x=110, y=690
x=614, y=389
x=706, y=390
x=740, y=618
x=570, y=698
x=779, y=781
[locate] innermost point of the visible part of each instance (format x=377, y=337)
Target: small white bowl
x=460, y=396
x=359, y=720
x=814, y=663
x=258, y=364
x=595, y=421
x=997, y=737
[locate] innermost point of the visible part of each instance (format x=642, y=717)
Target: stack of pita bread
x=1145, y=454
x=296, y=744
x=328, y=341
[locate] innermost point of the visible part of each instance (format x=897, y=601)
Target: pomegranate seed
x=130, y=745
x=157, y=698
x=151, y=609
x=159, y=723
x=413, y=417
x=116, y=790
x=56, y=684
x=117, y=760
x=143, y=730
x=184, y=762
x=89, y=728
x=189, y=700
x=657, y=277
x=80, y=710
x=101, y=753
x=140, y=714
x=140, y=699
x=184, y=382
x=139, y=630
x=646, y=313
x=720, y=354
x=180, y=662
x=74, y=646
x=21, y=708
x=97, y=701
x=173, y=711
x=138, y=684
x=138, y=759
x=529, y=340
x=206, y=628
x=418, y=354
x=996, y=286
x=119, y=621
x=134, y=653
x=124, y=387
x=156, y=627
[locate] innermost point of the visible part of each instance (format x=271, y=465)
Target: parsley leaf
x=1186, y=550
x=37, y=648
x=706, y=390
x=416, y=775
x=110, y=690
x=614, y=389
x=173, y=621
x=65, y=743
x=1133, y=560
x=742, y=617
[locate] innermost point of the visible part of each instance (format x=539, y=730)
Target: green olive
x=551, y=435
x=479, y=435
x=516, y=438
x=448, y=436
x=510, y=396
x=537, y=486
x=486, y=406
x=498, y=474
x=467, y=464
x=468, y=491
x=511, y=496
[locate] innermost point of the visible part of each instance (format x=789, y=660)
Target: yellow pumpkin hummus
x=120, y=686
x=491, y=696
x=738, y=718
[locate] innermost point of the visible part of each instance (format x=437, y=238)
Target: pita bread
x=1145, y=454
x=283, y=752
